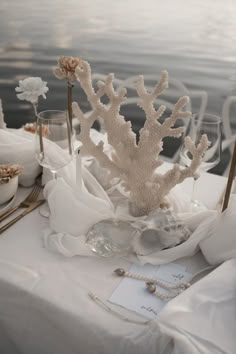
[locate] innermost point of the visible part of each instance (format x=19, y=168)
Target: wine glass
x=210, y=125
x=53, y=142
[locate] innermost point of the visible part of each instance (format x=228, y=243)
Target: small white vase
x=8, y=190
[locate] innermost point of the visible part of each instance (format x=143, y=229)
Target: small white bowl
x=6, y=206
x=8, y=190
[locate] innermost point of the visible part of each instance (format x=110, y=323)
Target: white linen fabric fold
x=84, y=208
x=187, y=248
x=203, y=318
x=220, y=243
x=17, y=146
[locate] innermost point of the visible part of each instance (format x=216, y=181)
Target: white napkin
x=213, y=233
x=219, y=244
x=17, y=146
x=203, y=318
x=187, y=248
x=76, y=201
x=74, y=210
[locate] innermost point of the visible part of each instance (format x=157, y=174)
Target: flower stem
x=69, y=101
x=35, y=105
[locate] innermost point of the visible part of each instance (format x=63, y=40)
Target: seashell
x=162, y=229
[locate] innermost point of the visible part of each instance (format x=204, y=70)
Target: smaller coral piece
x=8, y=172
x=66, y=68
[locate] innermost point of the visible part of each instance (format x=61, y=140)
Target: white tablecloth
x=45, y=307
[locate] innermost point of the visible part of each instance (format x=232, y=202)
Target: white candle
x=2, y=122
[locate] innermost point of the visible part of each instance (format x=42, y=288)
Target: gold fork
x=32, y=197
x=28, y=210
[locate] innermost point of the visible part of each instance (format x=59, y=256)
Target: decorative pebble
x=120, y=272
x=151, y=287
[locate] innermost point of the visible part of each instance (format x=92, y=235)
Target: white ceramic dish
x=6, y=206
x=8, y=190
x=17, y=146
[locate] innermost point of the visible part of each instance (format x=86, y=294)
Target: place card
x=133, y=295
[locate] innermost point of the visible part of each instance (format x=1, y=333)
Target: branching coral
x=136, y=163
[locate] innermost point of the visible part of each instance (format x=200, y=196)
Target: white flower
x=31, y=88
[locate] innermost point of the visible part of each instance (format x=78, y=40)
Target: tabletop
x=44, y=301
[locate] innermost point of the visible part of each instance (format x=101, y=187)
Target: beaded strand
x=152, y=283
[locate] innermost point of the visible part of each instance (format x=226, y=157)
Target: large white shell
x=162, y=229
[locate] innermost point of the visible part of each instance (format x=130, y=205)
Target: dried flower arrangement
x=7, y=172
x=135, y=164
x=66, y=70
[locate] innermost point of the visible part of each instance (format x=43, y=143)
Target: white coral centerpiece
x=135, y=164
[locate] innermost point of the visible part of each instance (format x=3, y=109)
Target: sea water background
x=195, y=40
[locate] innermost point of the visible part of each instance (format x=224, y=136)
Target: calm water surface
x=194, y=40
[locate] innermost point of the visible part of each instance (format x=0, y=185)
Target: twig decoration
x=230, y=180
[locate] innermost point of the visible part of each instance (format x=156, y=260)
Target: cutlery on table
x=32, y=206
x=32, y=197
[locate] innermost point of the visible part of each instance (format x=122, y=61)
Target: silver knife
x=33, y=206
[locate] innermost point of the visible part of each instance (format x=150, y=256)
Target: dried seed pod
x=151, y=287
x=8, y=172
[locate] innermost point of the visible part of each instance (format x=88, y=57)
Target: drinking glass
x=210, y=125
x=53, y=142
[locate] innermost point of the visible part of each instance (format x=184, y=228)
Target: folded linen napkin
x=203, y=220
x=74, y=210
x=202, y=318
x=76, y=204
x=17, y=146
x=219, y=245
